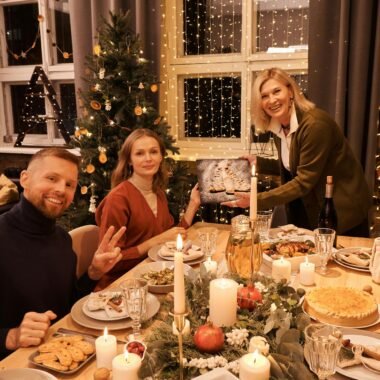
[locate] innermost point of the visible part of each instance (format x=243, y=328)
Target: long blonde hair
x=259, y=117
x=124, y=169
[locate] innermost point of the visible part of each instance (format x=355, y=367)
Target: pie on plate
x=342, y=306
x=190, y=251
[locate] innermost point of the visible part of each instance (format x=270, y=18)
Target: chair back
x=85, y=243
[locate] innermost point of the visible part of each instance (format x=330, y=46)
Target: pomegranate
x=209, y=338
x=248, y=296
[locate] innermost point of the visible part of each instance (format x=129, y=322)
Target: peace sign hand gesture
x=107, y=254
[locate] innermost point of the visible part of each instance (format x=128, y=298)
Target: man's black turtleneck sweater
x=37, y=268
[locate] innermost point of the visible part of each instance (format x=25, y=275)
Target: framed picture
x=219, y=179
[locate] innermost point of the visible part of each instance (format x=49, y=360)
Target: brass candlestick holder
x=180, y=323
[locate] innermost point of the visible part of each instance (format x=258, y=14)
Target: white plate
x=217, y=374
x=101, y=315
x=153, y=255
x=352, y=327
x=359, y=372
x=152, y=307
x=158, y=266
x=348, y=265
x=25, y=374
x=191, y=254
x=297, y=234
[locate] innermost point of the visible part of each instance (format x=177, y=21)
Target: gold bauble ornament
x=66, y=55
x=84, y=190
x=138, y=110
x=90, y=168
x=95, y=105
x=77, y=133
x=154, y=87
x=102, y=158
x=97, y=50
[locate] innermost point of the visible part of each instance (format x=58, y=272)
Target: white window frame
x=244, y=64
x=13, y=75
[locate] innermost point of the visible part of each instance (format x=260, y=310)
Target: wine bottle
x=327, y=216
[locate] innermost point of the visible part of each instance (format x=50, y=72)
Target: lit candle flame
x=179, y=243
x=253, y=170
x=255, y=356
x=307, y=260
x=126, y=354
x=105, y=334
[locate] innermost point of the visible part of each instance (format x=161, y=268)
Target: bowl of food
x=160, y=275
x=295, y=251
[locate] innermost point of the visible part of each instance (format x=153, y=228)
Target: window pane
x=68, y=106
x=34, y=106
x=281, y=24
x=212, y=106
x=22, y=34
x=212, y=27
x=62, y=31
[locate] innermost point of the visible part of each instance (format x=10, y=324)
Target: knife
x=62, y=330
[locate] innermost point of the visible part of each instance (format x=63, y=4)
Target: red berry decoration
x=136, y=347
x=248, y=297
x=209, y=338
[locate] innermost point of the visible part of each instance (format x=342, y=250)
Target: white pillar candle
x=253, y=195
x=211, y=266
x=126, y=366
x=223, y=301
x=307, y=272
x=254, y=366
x=106, y=350
x=281, y=269
x=179, y=279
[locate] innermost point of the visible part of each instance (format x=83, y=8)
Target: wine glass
x=322, y=346
x=135, y=290
x=324, y=240
x=208, y=237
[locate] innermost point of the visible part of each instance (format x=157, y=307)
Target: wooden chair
x=85, y=243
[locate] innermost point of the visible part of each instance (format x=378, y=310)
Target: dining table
x=337, y=276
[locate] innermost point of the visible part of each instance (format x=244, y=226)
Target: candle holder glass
x=180, y=323
x=243, y=252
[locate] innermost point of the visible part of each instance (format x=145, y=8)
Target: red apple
x=248, y=297
x=209, y=338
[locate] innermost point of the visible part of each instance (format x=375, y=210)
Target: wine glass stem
x=136, y=327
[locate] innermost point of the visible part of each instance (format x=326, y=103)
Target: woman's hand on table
x=32, y=330
x=107, y=254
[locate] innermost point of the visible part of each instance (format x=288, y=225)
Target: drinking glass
x=322, y=345
x=324, y=240
x=135, y=290
x=263, y=223
x=208, y=237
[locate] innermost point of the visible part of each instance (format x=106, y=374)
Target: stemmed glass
x=322, y=346
x=135, y=290
x=208, y=237
x=324, y=240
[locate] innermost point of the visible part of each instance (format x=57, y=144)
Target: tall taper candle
x=253, y=195
x=179, y=279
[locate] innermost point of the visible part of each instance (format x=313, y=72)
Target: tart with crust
x=342, y=306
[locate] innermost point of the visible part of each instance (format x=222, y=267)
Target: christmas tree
x=118, y=101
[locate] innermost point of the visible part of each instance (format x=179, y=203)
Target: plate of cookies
x=64, y=353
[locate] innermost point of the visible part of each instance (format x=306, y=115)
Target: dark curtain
x=86, y=17
x=344, y=70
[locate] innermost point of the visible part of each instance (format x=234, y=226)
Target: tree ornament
x=138, y=110
x=97, y=87
x=102, y=72
x=95, y=105
x=154, y=87
x=157, y=121
x=41, y=18
x=84, y=190
x=65, y=55
x=90, y=168
x=77, y=133
x=144, y=109
x=141, y=86
x=97, y=50
x=108, y=105
x=92, y=207
x=102, y=158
